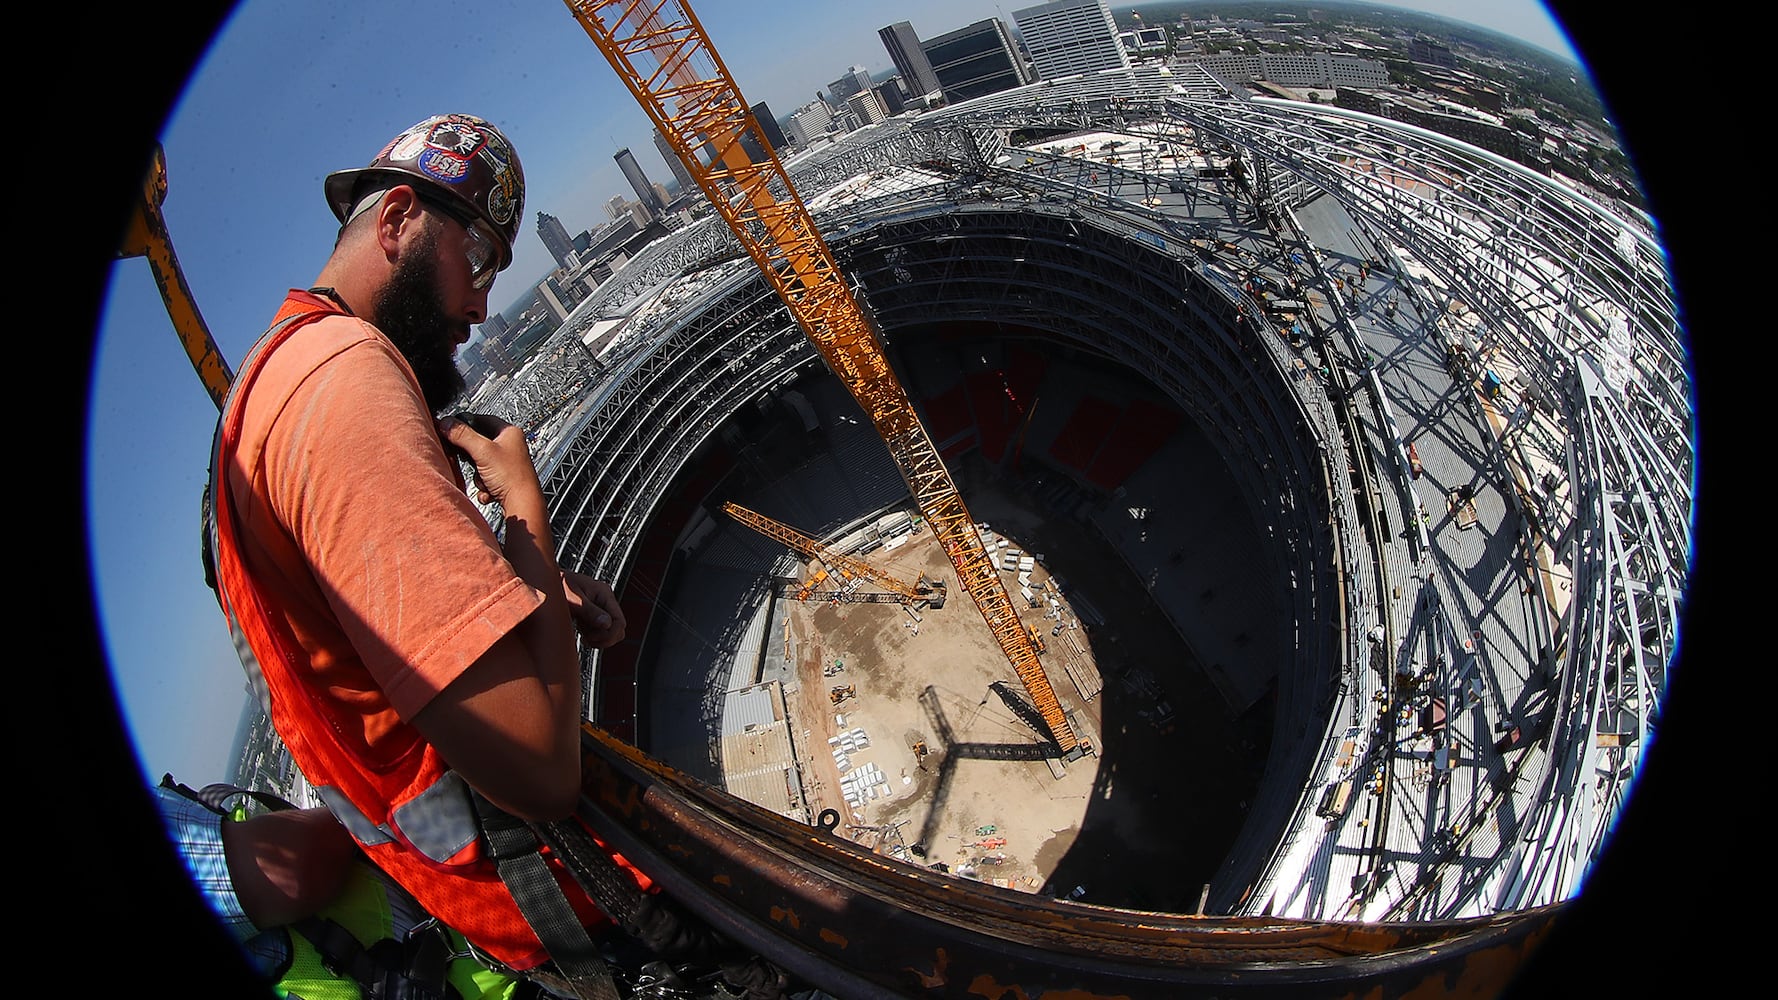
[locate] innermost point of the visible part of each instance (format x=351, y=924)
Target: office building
x=889, y=92
x=555, y=238
x=811, y=121
x=865, y=105
x=769, y=127
x=856, y=80
x=1432, y=53
x=768, y=124
x=975, y=60
x=1295, y=69
x=626, y=161
x=909, y=58
x=680, y=174
x=1066, y=37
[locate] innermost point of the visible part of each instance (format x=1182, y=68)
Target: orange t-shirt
x=344, y=500
x=366, y=551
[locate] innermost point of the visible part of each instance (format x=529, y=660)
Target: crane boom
x=147, y=237
x=812, y=548
x=660, y=51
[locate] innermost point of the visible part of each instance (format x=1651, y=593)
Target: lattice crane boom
x=660, y=51
x=812, y=548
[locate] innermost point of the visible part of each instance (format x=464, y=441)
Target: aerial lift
x=660, y=51
x=851, y=570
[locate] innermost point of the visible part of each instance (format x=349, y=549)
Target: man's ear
x=397, y=214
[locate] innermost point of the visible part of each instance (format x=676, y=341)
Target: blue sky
x=290, y=92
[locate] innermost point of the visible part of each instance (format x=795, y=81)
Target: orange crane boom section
x=812, y=548
x=660, y=51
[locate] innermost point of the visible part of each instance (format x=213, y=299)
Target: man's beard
x=408, y=312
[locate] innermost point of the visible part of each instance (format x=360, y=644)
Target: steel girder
x=862, y=926
x=1580, y=297
x=1634, y=560
x=1576, y=295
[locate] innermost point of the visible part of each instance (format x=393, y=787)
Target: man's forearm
x=549, y=631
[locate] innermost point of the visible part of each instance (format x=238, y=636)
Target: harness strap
x=515, y=849
x=411, y=969
x=206, y=504
x=215, y=795
x=593, y=870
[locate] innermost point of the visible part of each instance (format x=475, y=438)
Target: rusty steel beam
x=860, y=925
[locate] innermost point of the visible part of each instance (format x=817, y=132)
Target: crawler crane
x=662, y=55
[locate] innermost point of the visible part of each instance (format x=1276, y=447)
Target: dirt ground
x=1144, y=822
x=1007, y=822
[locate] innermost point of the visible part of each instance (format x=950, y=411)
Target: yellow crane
x=147, y=237
x=661, y=52
x=848, y=567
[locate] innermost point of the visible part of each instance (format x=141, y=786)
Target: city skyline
x=243, y=157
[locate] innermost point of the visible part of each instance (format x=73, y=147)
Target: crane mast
x=660, y=51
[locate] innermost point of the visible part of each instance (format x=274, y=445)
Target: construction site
x=1117, y=536
x=1291, y=426
x=900, y=725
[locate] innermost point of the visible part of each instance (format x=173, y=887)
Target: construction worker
x=420, y=667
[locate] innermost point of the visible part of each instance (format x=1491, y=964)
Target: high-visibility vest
x=416, y=822
x=354, y=950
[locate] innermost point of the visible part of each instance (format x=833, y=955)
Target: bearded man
x=408, y=655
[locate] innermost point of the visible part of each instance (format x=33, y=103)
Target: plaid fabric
x=196, y=832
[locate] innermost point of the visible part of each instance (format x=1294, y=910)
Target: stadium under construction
x=1394, y=434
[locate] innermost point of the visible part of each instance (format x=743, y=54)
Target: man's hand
x=498, y=449
x=594, y=609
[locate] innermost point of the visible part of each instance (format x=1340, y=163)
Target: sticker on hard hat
x=444, y=166
x=499, y=205
x=407, y=146
x=457, y=137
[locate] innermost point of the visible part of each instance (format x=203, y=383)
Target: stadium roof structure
x=1485, y=695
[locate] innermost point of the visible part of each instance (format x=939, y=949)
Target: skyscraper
x=1071, y=36
x=910, y=60
x=626, y=161
x=769, y=125
x=857, y=79
x=555, y=238
x=889, y=92
x=975, y=60
x=680, y=174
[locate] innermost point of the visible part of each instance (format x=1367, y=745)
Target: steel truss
x=1580, y=300
x=1574, y=294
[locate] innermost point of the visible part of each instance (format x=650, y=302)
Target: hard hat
x=463, y=156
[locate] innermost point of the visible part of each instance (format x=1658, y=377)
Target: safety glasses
x=483, y=252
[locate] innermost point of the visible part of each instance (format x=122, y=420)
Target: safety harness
x=373, y=942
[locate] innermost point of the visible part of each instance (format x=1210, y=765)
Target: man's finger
x=459, y=432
